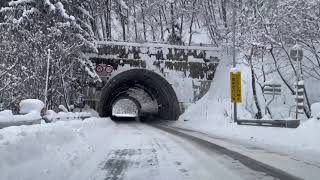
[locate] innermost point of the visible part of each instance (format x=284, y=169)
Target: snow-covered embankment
x=50, y=151
x=213, y=114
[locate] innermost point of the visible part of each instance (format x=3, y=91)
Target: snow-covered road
x=99, y=149
x=138, y=151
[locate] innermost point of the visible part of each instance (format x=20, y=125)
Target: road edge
x=243, y=159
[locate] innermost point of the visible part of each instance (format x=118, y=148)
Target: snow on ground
x=30, y=110
x=76, y=114
x=5, y=115
x=213, y=115
x=52, y=116
x=50, y=151
x=87, y=109
x=99, y=149
x=315, y=109
x=140, y=152
x=31, y=105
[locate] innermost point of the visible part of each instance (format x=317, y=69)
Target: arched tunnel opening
x=126, y=106
x=139, y=93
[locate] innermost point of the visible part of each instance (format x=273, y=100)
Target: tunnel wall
x=189, y=69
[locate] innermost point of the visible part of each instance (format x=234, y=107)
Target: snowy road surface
x=99, y=149
x=138, y=151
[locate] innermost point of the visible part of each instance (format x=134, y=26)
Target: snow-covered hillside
x=213, y=114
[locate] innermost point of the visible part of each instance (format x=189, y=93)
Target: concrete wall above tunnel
x=188, y=70
x=152, y=83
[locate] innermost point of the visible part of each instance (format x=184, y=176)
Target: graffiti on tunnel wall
x=195, y=66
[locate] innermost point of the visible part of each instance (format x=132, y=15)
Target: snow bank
x=215, y=106
x=52, y=116
x=32, y=116
x=31, y=105
x=63, y=108
x=87, y=109
x=49, y=151
x=30, y=110
x=8, y=119
x=6, y=116
x=87, y=112
x=213, y=115
x=315, y=110
x=304, y=138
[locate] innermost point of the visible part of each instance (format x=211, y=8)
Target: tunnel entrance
x=126, y=107
x=151, y=94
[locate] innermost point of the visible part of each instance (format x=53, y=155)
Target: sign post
x=234, y=58
x=296, y=54
x=235, y=90
x=271, y=89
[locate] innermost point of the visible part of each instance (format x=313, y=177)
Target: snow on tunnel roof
x=159, y=45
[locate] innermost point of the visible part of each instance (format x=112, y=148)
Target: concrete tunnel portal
x=149, y=91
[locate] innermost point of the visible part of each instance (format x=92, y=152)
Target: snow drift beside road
x=213, y=115
x=31, y=105
x=61, y=148
x=52, y=116
x=30, y=110
x=315, y=110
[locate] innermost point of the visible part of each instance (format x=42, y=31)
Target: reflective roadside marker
x=235, y=87
x=300, y=96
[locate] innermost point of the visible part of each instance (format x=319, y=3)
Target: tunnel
x=150, y=92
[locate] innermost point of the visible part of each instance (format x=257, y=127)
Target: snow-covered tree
x=31, y=28
x=3, y=3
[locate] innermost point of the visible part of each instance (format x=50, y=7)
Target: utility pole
x=47, y=81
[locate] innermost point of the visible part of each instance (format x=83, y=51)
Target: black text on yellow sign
x=235, y=87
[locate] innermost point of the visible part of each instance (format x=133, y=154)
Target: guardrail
x=270, y=123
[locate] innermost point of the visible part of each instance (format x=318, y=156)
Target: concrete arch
x=153, y=84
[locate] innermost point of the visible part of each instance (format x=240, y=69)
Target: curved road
x=141, y=152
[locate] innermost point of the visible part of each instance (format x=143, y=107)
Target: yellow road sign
x=235, y=87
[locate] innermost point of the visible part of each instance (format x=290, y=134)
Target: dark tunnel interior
x=150, y=94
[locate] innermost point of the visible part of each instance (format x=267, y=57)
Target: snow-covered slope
x=213, y=114
x=215, y=106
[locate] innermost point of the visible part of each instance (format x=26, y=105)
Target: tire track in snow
x=247, y=161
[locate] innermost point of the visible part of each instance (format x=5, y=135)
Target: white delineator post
x=297, y=90
x=296, y=54
x=47, y=80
